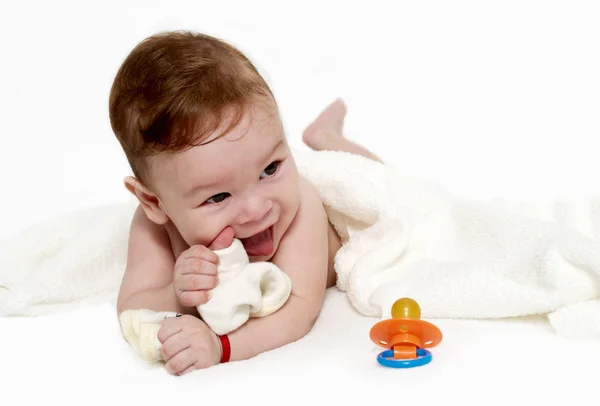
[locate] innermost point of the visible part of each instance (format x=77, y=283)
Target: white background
x=490, y=99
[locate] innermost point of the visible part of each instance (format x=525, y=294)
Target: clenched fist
x=188, y=344
x=196, y=270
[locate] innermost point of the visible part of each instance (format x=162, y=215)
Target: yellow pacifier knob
x=406, y=308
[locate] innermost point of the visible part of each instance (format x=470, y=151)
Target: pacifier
x=405, y=336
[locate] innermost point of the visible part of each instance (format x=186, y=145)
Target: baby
x=203, y=136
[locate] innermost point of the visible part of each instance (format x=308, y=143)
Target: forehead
x=259, y=130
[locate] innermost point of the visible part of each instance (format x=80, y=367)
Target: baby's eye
x=218, y=198
x=270, y=170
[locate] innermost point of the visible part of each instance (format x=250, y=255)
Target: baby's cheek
x=207, y=228
x=294, y=195
x=291, y=203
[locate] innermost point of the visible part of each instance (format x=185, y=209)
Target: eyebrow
x=273, y=150
x=198, y=187
x=262, y=161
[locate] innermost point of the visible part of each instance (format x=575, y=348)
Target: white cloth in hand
x=244, y=290
x=140, y=329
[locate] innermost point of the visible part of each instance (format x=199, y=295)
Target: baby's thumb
x=223, y=240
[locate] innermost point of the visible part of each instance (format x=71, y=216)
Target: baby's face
x=246, y=179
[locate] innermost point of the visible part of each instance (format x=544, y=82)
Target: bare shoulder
x=149, y=257
x=313, y=205
x=303, y=251
x=311, y=220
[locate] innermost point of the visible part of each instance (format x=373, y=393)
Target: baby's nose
x=254, y=209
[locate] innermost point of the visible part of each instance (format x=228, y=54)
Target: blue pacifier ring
x=386, y=359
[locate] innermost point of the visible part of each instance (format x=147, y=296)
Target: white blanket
x=406, y=237
x=459, y=258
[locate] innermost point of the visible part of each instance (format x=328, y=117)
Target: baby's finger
x=189, y=369
x=180, y=362
x=200, y=252
x=173, y=346
x=223, y=240
x=196, y=282
x=194, y=298
x=168, y=328
x=199, y=266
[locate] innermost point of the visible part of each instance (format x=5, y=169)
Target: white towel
x=405, y=237
x=458, y=258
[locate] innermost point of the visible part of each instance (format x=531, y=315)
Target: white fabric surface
x=457, y=257
x=80, y=354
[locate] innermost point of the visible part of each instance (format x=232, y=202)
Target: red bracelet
x=226, y=347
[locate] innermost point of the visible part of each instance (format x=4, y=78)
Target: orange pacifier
x=405, y=336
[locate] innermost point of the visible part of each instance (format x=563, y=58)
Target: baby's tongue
x=259, y=244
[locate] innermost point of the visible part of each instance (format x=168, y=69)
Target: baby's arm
x=148, y=279
x=303, y=255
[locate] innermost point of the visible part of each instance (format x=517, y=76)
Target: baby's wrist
x=219, y=347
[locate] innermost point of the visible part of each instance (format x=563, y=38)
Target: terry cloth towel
x=403, y=237
x=407, y=237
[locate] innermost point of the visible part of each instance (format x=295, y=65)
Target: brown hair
x=176, y=88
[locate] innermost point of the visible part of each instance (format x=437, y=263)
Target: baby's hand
x=196, y=270
x=188, y=344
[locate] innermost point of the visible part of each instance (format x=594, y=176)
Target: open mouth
x=259, y=244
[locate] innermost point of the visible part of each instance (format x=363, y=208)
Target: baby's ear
x=148, y=200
